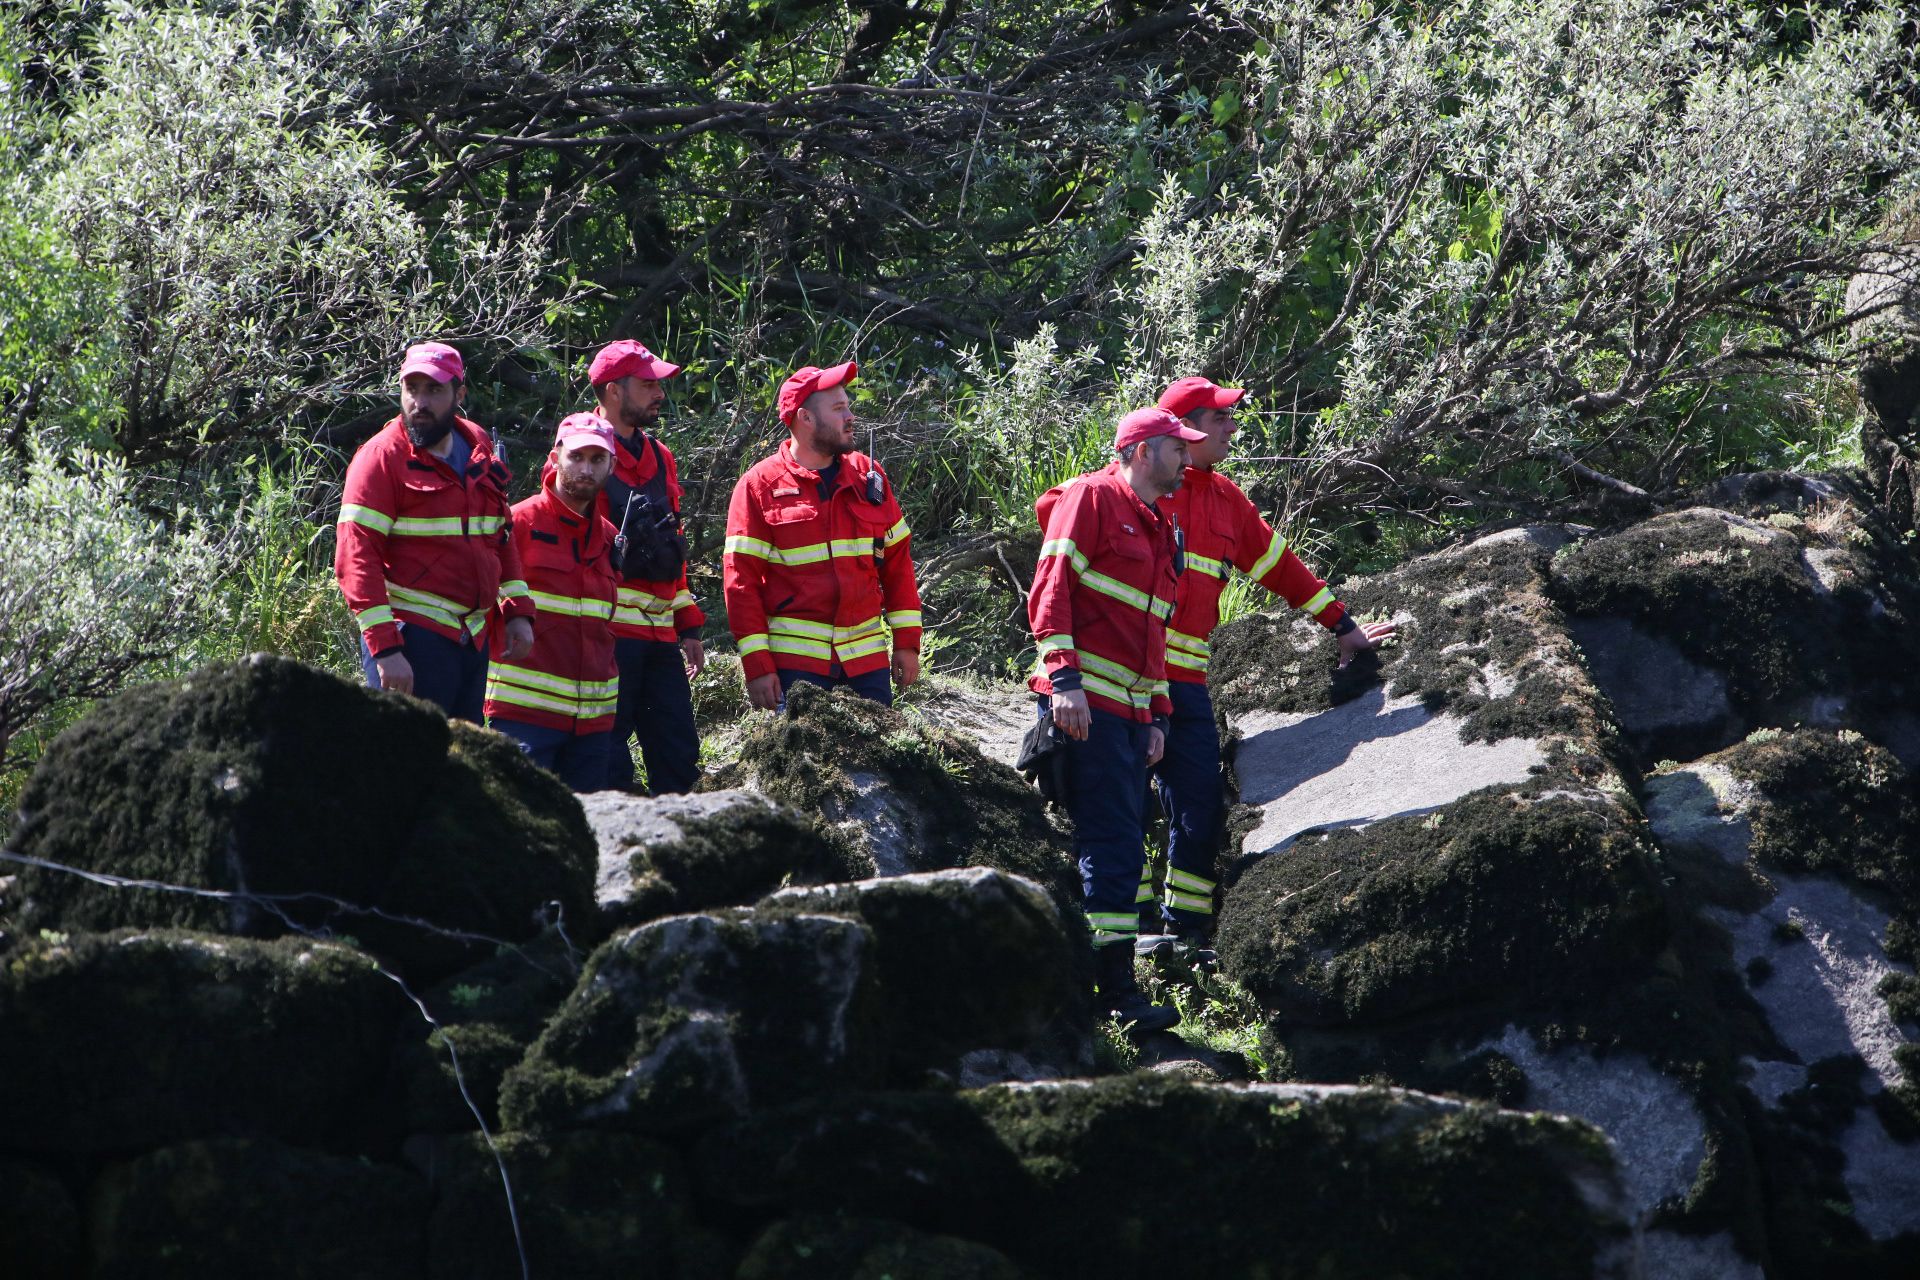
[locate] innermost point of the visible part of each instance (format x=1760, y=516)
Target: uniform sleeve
x=1070, y=522
x=899, y=592
x=1262, y=553
x=516, y=601
x=367, y=509
x=688, y=617
x=743, y=576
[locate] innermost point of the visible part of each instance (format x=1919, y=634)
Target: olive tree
x=262, y=265
x=1495, y=245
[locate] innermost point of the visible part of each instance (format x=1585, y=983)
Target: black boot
x=1119, y=995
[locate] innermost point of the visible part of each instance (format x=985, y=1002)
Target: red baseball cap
x=627, y=359
x=435, y=359
x=584, y=428
x=1188, y=394
x=802, y=383
x=1145, y=424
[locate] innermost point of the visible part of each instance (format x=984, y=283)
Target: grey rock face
x=1659, y=696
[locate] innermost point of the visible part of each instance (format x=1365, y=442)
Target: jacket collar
x=849, y=468
x=479, y=443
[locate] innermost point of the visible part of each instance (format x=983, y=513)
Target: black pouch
x=1043, y=757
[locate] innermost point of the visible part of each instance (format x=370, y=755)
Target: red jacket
x=1102, y=595
x=810, y=582
x=421, y=545
x=651, y=610
x=568, y=681
x=1225, y=529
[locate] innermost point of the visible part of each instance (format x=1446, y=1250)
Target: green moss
x=238, y=1207
x=1833, y=803
x=39, y=1224
x=267, y=776
x=1346, y=1183
x=127, y=1040
x=968, y=811
x=489, y=1015
x=730, y=858
x=836, y=1248
x=590, y=1204
x=1500, y=896
x=689, y=1020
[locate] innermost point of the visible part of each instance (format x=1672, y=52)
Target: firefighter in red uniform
x=1102, y=594
x=558, y=700
x=424, y=555
x=656, y=623
x=819, y=562
x=1224, y=532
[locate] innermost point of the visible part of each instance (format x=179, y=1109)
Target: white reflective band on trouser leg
x=1112, y=927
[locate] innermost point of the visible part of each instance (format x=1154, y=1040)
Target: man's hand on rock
x=1071, y=715
x=1364, y=639
x=764, y=692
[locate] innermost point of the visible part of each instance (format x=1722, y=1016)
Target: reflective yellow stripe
x=861, y=648
x=898, y=533
x=367, y=619
x=514, y=694
x=571, y=606
x=508, y=590
x=1140, y=700
x=738, y=544
x=1064, y=547
x=1264, y=565
x=1110, y=927
x=801, y=647
x=854, y=547
x=800, y=627
x=431, y=526
x=1191, y=643
x=1319, y=601
x=438, y=608
x=904, y=618
x=746, y=645
x=1186, y=661
x=1212, y=568
x=1176, y=878
x=1190, y=902
x=1162, y=609
x=366, y=518
x=529, y=678
x=682, y=601
x=1054, y=643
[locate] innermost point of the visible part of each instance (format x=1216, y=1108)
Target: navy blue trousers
x=579, y=758
x=1107, y=800
x=874, y=686
x=1193, y=796
x=656, y=706
x=446, y=672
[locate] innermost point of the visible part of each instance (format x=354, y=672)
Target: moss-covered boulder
x=1301, y=1181
x=897, y=793
x=981, y=976
x=836, y=1248
x=668, y=855
x=588, y=1204
x=127, y=1040
x=487, y=1015
x=294, y=791
x=695, y=1019
x=240, y=1207
x=1706, y=623
x=39, y=1224
x=1503, y=896
x=1801, y=851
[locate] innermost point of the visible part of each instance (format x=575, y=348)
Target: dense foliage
x=1475, y=257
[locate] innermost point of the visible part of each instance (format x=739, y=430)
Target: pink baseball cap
x=435, y=359
x=802, y=383
x=1188, y=394
x=627, y=359
x=1145, y=424
x=584, y=428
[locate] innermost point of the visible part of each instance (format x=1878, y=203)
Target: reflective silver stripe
x=366, y=518
x=373, y=616
x=898, y=533
x=1320, y=601
x=746, y=645
x=1064, y=547
x=1211, y=567
x=1052, y=643
x=571, y=606
x=738, y=544
x=1268, y=559
x=904, y=618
